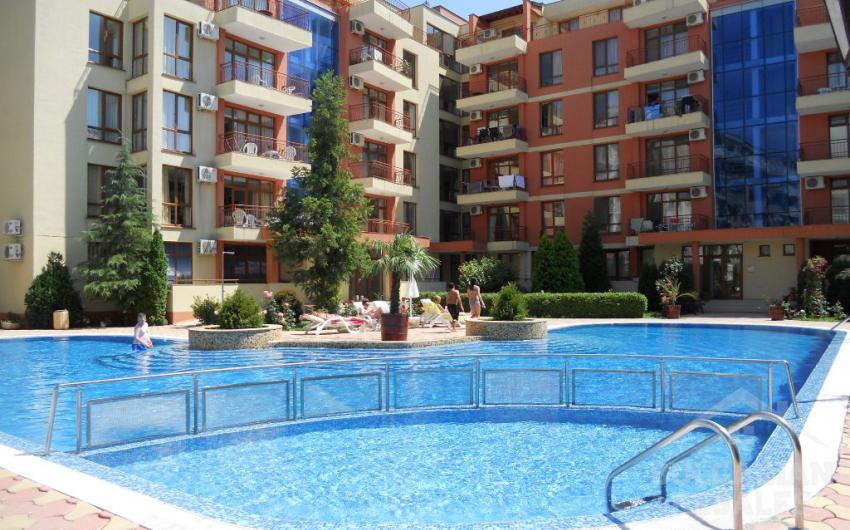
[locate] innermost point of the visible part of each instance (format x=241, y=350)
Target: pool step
x=634, y=503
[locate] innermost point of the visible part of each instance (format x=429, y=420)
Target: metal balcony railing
x=374, y=53
x=824, y=84
x=509, y=233
x=265, y=77
x=668, y=166
x=491, y=33
x=277, y=9
x=399, y=8
x=458, y=233
x=380, y=112
x=587, y=20
x=495, y=134
x=827, y=215
x=243, y=215
x=666, y=109
x=383, y=171
x=383, y=226
x=251, y=144
x=824, y=150
x=505, y=81
x=496, y=183
x=676, y=223
x=678, y=46
x=813, y=14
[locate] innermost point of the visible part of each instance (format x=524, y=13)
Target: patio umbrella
x=412, y=288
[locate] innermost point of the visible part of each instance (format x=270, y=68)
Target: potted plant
x=776, y=309
x=402, y=257
x=13, y=322
x=670, y=291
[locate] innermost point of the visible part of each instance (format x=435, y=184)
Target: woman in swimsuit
x=476, y=302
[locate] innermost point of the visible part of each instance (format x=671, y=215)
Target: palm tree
x=402, y=257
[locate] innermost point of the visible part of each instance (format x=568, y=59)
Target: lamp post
x=223, y=253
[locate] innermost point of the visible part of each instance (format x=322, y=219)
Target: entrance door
x=723, y=271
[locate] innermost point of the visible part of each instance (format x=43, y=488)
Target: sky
x=479, y=7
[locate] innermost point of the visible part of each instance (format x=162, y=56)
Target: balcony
x=835, y=215
x=491, y=45
x=389, y=18
x=672, y=59
x=380, y=68
x=669, y=173
x=278, y=24
x=566, y=9
x=494, y=141
x=258, y=155
x=824, y=93
x=678, y=223
x=689, y=112
x=654, y=12
x=380, y=123
x=813, y=32
x=503, y=189
x=825, y=159
x=242, y=222
x=508, y=239
x=264, y=88
x=380, y=178
x=502, y=91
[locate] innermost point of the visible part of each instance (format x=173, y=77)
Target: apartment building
x=214, y=97
x=714, y=132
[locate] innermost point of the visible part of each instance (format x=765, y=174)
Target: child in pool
x=141, y=338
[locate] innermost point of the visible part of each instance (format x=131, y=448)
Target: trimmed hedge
x=586, y=305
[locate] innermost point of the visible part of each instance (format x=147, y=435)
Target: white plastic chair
x=239, y=216
x=289, y=153
x=250, y=148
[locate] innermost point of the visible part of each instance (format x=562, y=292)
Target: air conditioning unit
x=207, y=174
x=476, y=115
x=476, y=210
x=815, y=183
x=475, y=163
x=697, y=134
x=476, y=69
x=695, y=19
x=207, y=102
x=358, y=28
x=13, y=252
x=207, y=30
x=207, y=247
x=358, y=140
x=697, y=76
x=490, y=34
x=699, y=192
x=12, y=227
x=639, y=2
x=355, y=82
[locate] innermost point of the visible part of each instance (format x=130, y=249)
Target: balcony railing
x=496, y=183
x=824, y=150
x=505, y=81
x=458, y=233
x=491, y=33
x=383, y=226
x=587, y=20
x=265, y=77
x=509, y=233
x=678, y=46
x=835, y=215
x=383, y=171
x=814, y=14
x=676, y=223
x=399, y=8
x=374, y=53
x=666, y=109
x=278, y=9
x=251, y=144
x=243, y=215
x=668, y=166
x=380, y=112
x=824, y=84
x=495, y=134
x=175, y=214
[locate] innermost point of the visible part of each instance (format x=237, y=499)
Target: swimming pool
x=487, y=465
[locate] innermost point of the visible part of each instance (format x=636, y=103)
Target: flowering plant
x=348, y=309
x=276, y=313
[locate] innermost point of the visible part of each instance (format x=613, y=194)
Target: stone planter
x=8, y=324
x=489, y=329
x=214, y=338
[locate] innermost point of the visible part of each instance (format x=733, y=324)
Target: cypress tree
x=594, y=270
x=567, y=269
x=153, y=291
x=544, y=276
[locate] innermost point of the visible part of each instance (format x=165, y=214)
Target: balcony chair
x=250, y=148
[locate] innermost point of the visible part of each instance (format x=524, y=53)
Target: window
x=552, y=168
x=670, y=209
x=105, y=40
x=370, y=39
x=666, y=41
x=177, y=55
x=410, y=59
x=449, y=184
x=607, y=211
x=104, y=116
x=551, y=118
x=607, y=161
x=140, y=48
x=764, y=251
x=410, y=216
x=668, y=156
x=503, y=76
x=615, y=14
x=140, y=122
x=248, y=63
x=449, y=137
x=606, y=56
x=667, y=92
x=554, y=218
x=840, y=201
x=551, y=68
x=380, y=208
x=449, y=94
x=176, y=122
x=409, y=161
x=179, y=262
x=789, y=249
x=375, y=152
x=247, y=263
x=504, y=224
x=410, y=115
x=96, y=180
x=839, y=132
x=505, y=166
x=606, y=109
x=177, y=195
x=836, y=71
x=617, y=264
x=244, y=127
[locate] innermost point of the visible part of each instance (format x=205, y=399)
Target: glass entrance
x=723, y=276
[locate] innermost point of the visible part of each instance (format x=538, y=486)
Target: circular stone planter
x=489, y=329
x=214, y=338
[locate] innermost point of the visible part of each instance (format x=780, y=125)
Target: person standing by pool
x=141, y=336
x=454, y=304
x=476, y=302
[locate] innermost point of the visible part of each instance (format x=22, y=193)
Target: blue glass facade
x=756, y=136
x=312, y=62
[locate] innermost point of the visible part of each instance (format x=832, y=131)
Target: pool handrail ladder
x=835, y=327
x=477, y=398
x=726, y=434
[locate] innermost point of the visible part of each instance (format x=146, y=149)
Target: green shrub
x=152, y=296
x=490, y=273
x=280, y=314
x=285, y=298
x=838, y=280
x=586, y=305
x=52, y=290
x=510, y=304
x=566, y=265
x=543, y=278
x=646, y=286
x=206, y=310
x=240, y=311
x=591, y=255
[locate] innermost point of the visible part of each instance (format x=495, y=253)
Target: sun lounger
x=319, y=324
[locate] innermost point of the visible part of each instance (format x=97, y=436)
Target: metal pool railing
x=191, y=404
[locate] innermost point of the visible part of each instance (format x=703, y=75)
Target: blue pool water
x=437, y=466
